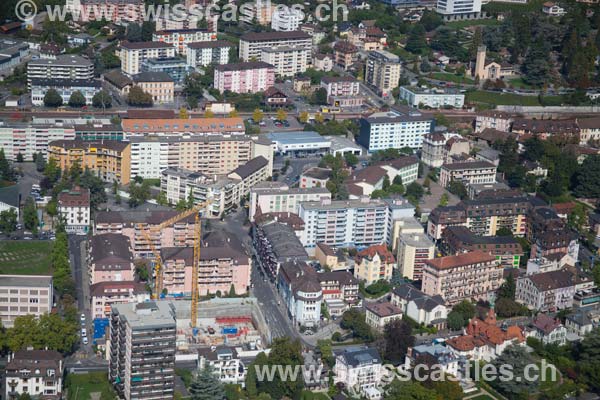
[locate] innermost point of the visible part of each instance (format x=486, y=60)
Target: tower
x=480, y=63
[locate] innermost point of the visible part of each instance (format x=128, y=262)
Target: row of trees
x=102, y=99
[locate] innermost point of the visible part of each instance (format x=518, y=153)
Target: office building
x=383, y=71
x=468, y=172
x=287, y=60
x=22, y=295
x=202, y=54
x=432, y=98
x=413, y=250
x=299, y=143
x=396, y=129
x=70, y=66
x=74, y=209
x=452, y=10
x=180, y=39
x=133, y=54
x=174, y=67
x=159, y=85
x=252, y=44
x=286, y=19
x=65, y=88
x=110, y=160
x=142, y=350
x=34, y=373
x=467, y=276
x=265, y=198
x=245, y=77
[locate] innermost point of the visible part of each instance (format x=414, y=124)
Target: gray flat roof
x=342, y=204
x=147, y=315
x=298, y=137
x=416, y=239
x=26, y=280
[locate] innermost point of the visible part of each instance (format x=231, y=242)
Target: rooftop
x=251, y=167
x=283, y=241
x=152, y=77
x=383, y=310
x=464, y=259
x=210, y=44
x=145, y=45
x=468, y=165
x=148, y=315
x=243, y=66
x=295, y=137
x=276, y=35
x=26, y=280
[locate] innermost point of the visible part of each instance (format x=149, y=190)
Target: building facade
x=469, y=172
x=37, y=373
x=287, y=60
x=414, y=249
x=133, y=54
x=252, y=44
x=71, y=67
x=382, y=71
x=432, y=98
x=267, y=199
x=74, y=209
x=246, y=77
x=22, y=295
x=373, y=264
x=65, y=89
x=202, y=54
x=181, y=39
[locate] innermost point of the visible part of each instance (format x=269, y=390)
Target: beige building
x=492, y=119
x=486, y=69
x=589, y=129
x=382, y=71
x=374, y=264
x=287, y=60
x=268, y=198
x=378, y=315
x=413, y=250
x=468, y=172
x=132, y=54
x=467, y=276
x=334, y=260
x=24, y=295
x=158, y=84
x=252, y=44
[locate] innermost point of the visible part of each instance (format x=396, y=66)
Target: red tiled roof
x=380, y=249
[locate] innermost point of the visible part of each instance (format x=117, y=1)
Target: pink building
x=105, y=294
x=245, y=77
x=110, y=258
x=223, y=264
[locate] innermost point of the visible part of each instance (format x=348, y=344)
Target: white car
x=83, y=332
x=85, y=340
x=82, y=317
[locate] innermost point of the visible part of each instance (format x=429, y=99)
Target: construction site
x=231, y=322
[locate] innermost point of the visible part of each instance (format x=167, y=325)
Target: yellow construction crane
x=157, y=261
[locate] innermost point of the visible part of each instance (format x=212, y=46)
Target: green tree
x=351, y=159
x=458, y=188
x=52, y=98
x=410, y=390
x=416, y=41
x=161, y=199
x=40, y=162
x=102, y=100
x=257, y=116
x=415, y=191
x=77, y=99
x=8, y=221
x=138, y=98
x=536, y=65
x=138, y=194
x=444, y=199
x=96, y=187
x=354, y=320
x=319, y=97
x=588, y=178
x=206, y=386
x=281, y=115
x=466, y=308
x=518, y=358
x=20, y=157
x=6, y=171
x=455, y=320
x=30, y=216
x=508, y=289
x=397, y=336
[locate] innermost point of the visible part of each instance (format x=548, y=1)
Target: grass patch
x=307, y=395
x=482, y=397
x=474, y=22
x=25, y=257
x=520, y=83
x=509, y=99
x=81, y=386
x=444, y=76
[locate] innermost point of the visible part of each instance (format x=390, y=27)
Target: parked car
x=85, y=340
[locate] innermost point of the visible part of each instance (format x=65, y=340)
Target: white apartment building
x=492, y=119
x=29, y=139
x=201, y=54
x=132, y=54
x=65, y=88
x=458, y=9
x=394, y=129
x=252, y=44
x=62, y=67
x=413, y=250
x=225, y=362
x=24, y=295
x=469, y=172
x=287, y=60
x=301, y=292
x=382, y=71
x=432, y=98
x=74, y=209
x=38, y=373
x=351, y=223
x=432, y=154
x=286, y=18
x=358, y=368
x=268, y=199
x=180, y=39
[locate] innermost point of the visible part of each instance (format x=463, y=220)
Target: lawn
x=443, y=76
x=482, y=397
x=519, y=83
x=81, y=386
x=509, y=99
x=474, y=22
x=25, y=257
x=308, y=395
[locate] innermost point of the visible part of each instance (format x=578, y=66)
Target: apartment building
x=159, y=85
x=545, y=128
x=459, y=239
x=29, y=139
x=378, y=315
x=202, y=54
x=287, y=60
x=373, y=264
x=209, y=155
x=266, y=198
x=350, y=223
x=74, y=209
x=65, y=66
x=323, y=62
x=483, y=216
x=432, y=154
x=133, y=225
x=344, y=54
x=414, y=249
x=110, y=160
x=467, y=276
x=286, y=19
x=396, y=129
x=180, y=39
x=245, y=77
x=133, y=127
x=34, y=373
x=492, y=119
x=315, y=177
x=340, y=285
x=24, y=295
x=276, y=243
x=65, y=88
x=468, y=172
x=359, y=368
x=301, y=292
x=142, y=350
x=547, y=291
x=365, y=181
x=223, y=265
x=252, y=44
x=452, y=10
x=432, y=98
x=110, y=258
x=133, y=54
x=342, y=91
x=382, y=71
x=104, y=295
x=225, y=362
